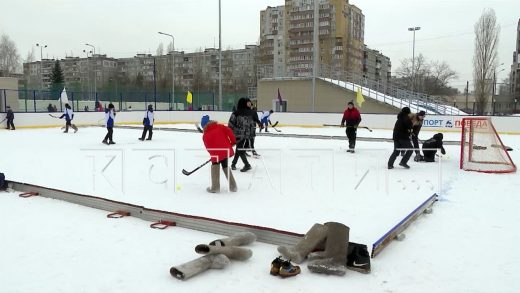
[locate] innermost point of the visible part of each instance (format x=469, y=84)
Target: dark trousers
x=398, y=145
x=147, y=128
x=110, y=132
x=240, y=152
x=351, y=135
x=10, y=123
x=223, y=163
x=415, y=141
x=429, y=156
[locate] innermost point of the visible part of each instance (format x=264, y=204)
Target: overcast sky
x=122, y=28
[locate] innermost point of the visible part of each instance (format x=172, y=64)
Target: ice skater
x=68, y=114
x=242, y=122
x=148, y=123
x=10, y=118
x=219, y=141
x=401, y=137
x=110, y=116
x=351, y=118
x=266, y=120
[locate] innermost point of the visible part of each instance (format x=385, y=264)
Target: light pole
x=315, y=51
x=173, y=64
x=41, y=65
x=413, y=29
x=219, y=56
x=95, y=77
x=88, y=72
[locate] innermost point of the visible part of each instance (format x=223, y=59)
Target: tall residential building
x=376, y=66
x=272, y=53
x=515, y=68
x=287, y=34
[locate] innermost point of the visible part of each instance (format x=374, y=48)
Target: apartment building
x=515, y=68
x=376, y=66
x=287, y=35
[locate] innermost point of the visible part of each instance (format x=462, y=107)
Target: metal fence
x=48, y=101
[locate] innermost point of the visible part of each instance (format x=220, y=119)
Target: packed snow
x=467, y=244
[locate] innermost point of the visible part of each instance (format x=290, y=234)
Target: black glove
x=443, y=151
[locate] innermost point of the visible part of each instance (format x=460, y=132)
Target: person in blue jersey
x=148, y=123
x=265, y=120
x=68, y=114
x=110, y=117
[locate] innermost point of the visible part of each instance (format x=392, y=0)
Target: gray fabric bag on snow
x=333, y=260
x=199, y=265
x=314, y=237
x=231, y=252
x=237, y=239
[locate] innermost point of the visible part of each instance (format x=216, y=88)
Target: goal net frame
x=466, y=152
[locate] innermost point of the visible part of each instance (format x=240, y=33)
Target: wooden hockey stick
x=335, y=125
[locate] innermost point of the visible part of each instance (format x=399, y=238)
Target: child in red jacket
x=219, y=141
x=352, y=118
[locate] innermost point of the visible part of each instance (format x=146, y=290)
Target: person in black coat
x=10, y=118
x=401, y=136
x=430, y=147
x=242, y=122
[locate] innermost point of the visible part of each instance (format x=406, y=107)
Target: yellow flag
x=189, y=97
x=359, y=98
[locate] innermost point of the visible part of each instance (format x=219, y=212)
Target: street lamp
x=173, y=64
x=219, y=56
x=41, y=65
x=88, y=72
x=95, y=77
x=413, y=29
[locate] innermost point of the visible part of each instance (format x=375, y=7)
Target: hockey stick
x=275, y=128
x=54, y=116
x=3, y=120
x=274, y=125
x=189, y=173
x=334, y=125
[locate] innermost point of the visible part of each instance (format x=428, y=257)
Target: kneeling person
x=430, y=147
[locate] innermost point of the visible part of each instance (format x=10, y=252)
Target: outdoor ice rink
x=466, y=244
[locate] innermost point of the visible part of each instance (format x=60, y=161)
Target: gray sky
x=122, y=28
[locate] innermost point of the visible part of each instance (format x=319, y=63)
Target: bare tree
x=170, y=47
x=30, y=56
x=9, y=57
x=485, y=59
x=160, y=50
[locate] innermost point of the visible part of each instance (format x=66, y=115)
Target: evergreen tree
x=57, y=80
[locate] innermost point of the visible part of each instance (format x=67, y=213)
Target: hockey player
x=352, y=118
x=430, y=148
x=68, y=114
x=401, y=137
x=266, y=115
x=417, y=122
x=242, y=122
x=10, y=119
x=219, y=141
x=110, y=116
x=148, y=123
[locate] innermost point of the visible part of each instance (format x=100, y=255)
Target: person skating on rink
x=266, y=120
x=401, y=137
x=219, y=141
x=430, y=146
x=110, y=116
x=417, y=122
x=10, y=118
x=148, y=123
x=351, y=119
x=68, y=114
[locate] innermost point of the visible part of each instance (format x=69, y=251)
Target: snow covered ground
x=467, y=244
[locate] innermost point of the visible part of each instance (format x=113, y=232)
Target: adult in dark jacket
x=10, y=118
x=417, y=122
x=242, y=122
x=401, y=136
x=430, y=146
x=219, y=141
x=351, y=118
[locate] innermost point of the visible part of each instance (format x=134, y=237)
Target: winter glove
x=144, y=121
x=443, y=151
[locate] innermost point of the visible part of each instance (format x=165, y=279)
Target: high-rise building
x=515, y=68
x=287, y=38
x=376, y=67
